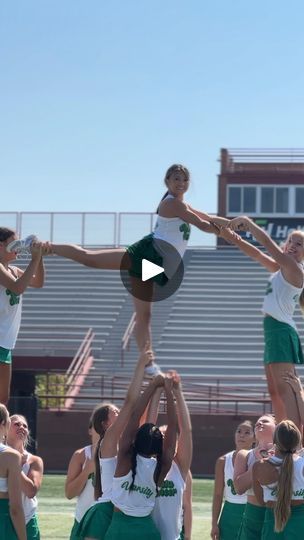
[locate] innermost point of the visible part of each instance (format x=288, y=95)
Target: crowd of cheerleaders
x=129, y=489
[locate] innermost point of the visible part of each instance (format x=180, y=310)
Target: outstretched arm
x=184, y=448
x=113, y=433
x=251, y=251
x=24, y=279
x=187, y=507
x=171, y=432
x=292, y=271
x=128, y=435
x=297, y=387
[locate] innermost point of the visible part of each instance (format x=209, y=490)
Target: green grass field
x=56, y=512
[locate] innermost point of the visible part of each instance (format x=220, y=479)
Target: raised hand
x=241, y=223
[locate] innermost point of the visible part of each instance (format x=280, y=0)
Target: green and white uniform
x=97, y=519
x=234, y=505
x=10, y=319
x=86, y=498
x=282, y=343
x=30, y=505
x=294, y=528
x=133, y=519
x=175, y=232
x=253, y=516
x=167, y=512
x=7, y=529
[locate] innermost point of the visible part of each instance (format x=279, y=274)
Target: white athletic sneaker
x=23, y=245
x=152, y=370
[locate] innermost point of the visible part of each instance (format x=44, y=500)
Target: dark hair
x=149, y=442
x=172, y=169
x=4, y=414
x=287, y=439
x=5, y=233
x=98, y=419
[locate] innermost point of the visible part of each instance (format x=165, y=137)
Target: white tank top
x=10, y=317
x=86, y=497
x=29, y=504
x=270, y=491
x=281, y=298
x=174, y=231
x=140, y=500
x=107, y=471
x=167, y=512
x=229, y=491
x=3, y=481
x=251, y=459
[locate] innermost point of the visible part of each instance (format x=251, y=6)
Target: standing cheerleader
x=31, y=473
x=253, y=517
x=226, y=521
x=170, y=497
x=13, y=283
x=282, y=349
x=173, y=227
x=80, y=478
x=109, y=423
x=144, y=459
x=12, y=522
x=279, y=482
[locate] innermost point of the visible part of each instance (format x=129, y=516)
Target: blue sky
x=99, y=98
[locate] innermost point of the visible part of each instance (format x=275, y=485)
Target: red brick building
x=267, y=185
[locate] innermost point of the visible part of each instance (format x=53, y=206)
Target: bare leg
x=276, y=399
x=108, y=259
x=5, y=382
x=278, y=371
x=143, y=310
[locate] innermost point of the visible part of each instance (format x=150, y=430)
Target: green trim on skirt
x=293, y=530
x=95, y=522
x=252, y=522
x=230, y=520
x=282, y=343
x=5, y=356
x=32, y=529
x=144, y=249
x=132, y=528
x=7, y=529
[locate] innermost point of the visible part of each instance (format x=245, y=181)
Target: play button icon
x=150, y=270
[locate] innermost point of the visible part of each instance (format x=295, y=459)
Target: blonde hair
x=28, y=439
x=301, y=297
x=287, y=438
x=4, y=414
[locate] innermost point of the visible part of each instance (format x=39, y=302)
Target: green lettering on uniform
x=231, y=485
x=268, y=289
x=167, y=489
x=92, y=478
x=143, y=490
x=185, y=229
x=14, y=298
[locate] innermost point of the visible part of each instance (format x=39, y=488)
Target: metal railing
x=76, y=367
x=125, y=342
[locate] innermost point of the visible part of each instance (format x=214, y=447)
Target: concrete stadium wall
x=61, y=433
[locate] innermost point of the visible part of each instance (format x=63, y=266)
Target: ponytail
x=167, y=193
x=287, y=439
x=98, y=419
x=284, y=493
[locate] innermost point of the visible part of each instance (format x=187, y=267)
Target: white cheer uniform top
x=86, y=498
x=3, y=481
x=175, y=232
x=230, y=494
x=251, y=459
x=281, y=298
x=270, y=490
x=107, y=470
x=29, y=504
x=10, y=317
x=138, y=502
x=167, y=512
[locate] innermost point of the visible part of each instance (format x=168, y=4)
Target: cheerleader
x=144, y=459
x=279, y=482
x=226, y=521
